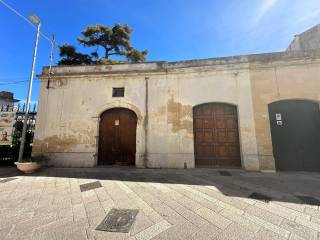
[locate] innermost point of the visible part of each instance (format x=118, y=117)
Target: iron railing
x=9, y=153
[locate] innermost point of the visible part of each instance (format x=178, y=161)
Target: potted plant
x=31, y=165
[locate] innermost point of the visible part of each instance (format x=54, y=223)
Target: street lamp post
x=37, y=22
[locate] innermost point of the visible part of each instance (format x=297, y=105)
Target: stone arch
x=294, y=98
x=222, y=102
x=119, y=104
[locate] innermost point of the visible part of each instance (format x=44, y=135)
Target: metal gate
x=295, y=130
x=9, y=153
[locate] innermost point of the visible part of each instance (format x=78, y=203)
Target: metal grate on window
x=118, y=92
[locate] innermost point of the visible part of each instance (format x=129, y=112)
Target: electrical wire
x=12, y=83
x=52, y=41
x=17, y=82
x=25, y=19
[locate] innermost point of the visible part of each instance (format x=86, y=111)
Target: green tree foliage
x=17, y=133
x=69, y=56
x=114, y=41
x=135, y=56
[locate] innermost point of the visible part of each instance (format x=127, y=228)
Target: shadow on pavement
x=293, y=187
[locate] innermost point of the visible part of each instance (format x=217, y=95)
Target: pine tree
x=114, y=41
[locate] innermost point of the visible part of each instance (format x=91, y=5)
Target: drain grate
x=118, y=220
x=225, y=173
x=261, y=197
x=309, y=200
x=7, y=180
x=90, y=186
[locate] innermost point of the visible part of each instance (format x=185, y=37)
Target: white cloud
x=309, y=16
x=264, y=8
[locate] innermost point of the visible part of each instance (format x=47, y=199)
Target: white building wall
x=68, y=121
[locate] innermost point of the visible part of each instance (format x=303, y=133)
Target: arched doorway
x=295, y=131
x=117, y=137
x=216, y=135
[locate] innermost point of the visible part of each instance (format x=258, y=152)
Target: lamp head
x=34, y=19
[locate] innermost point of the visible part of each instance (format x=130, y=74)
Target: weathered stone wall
x=306, y=41
x=192, y=86
x=163, y=95
x=68, y=118
x=295, y=78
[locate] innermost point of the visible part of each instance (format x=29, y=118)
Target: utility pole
x=53, y=44
x=37, y=22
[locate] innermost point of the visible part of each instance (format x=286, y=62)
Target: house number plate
x=278, y=117
x=116, y=122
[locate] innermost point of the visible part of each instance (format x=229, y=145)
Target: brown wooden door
x=117, y=137
x=216, y=135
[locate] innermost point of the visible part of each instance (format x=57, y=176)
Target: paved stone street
x=173, y=204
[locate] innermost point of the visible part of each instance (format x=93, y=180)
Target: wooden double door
x=216, y=136
x=117, y=137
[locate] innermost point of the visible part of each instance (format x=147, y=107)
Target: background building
x=306, y=41
x=7, y=100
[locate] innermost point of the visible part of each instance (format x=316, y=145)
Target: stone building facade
x=169, y=100
x=163, y=95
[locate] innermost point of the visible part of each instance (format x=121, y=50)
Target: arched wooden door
x=216, y=135
x=295, y=131
x=117, y=137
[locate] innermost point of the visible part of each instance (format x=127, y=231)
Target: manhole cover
x=309, y=200
x=261, y=197
x=7, y=180
x=90, y=186
x=118, y=220
x=225, y=173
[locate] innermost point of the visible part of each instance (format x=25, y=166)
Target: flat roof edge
x=163, y=65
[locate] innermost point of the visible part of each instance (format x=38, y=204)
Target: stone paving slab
x=195, y=204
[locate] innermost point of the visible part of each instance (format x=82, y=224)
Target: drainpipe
x=146, y=120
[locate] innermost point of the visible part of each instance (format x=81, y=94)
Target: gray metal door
x=295, y=130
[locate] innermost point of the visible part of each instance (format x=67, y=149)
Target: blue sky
x=170, y=29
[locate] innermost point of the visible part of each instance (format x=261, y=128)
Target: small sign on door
x=279, y=123
x=278, y=117
x=116, y=122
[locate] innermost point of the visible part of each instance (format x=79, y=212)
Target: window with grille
x=118, y=92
